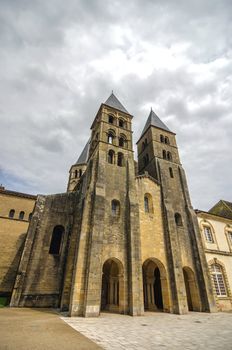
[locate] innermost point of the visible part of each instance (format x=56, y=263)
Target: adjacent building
x=15, y=213
x=216, y=231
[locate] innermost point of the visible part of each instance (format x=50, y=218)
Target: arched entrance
x=112, y=286
x=155, y=286
x=192, y=293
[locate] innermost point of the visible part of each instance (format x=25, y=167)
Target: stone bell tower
x=108, y=271
x=189, y=277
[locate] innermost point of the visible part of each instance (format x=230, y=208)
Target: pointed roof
x=84, y=154
x=112, y=101
x=222, y=208
x=154, y=120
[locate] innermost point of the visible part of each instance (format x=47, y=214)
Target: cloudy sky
x=60, y=59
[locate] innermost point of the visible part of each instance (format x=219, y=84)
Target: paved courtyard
x=158, y=331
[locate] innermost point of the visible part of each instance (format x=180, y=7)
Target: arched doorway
x=112, y=286
x=155, y=286
x=192, y=294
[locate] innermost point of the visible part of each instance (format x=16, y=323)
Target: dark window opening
x=80, y=172
x=121, y=123
x=111, y=157
x=161, y=138
x=56, y=240
x=11, y=213
x=166, y=140
x=120, y=159
x=115, y=207
x=178, y=219
x=169, y=156
x=21, y=215
x=171, y=172
x=164, y=154
x=76, y=173
x=111, y=119
x=30, y=217
x=146, y=204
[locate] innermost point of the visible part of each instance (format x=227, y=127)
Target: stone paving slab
x=158, y=331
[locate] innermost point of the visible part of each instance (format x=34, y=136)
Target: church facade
x=124, y=237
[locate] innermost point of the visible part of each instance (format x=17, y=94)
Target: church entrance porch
x=155, y=287
x=112, y=286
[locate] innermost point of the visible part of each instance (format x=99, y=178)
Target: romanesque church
x=124, y=237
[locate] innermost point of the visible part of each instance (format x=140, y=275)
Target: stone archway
x=192, y=294
x=112, y=292
x=155, y=286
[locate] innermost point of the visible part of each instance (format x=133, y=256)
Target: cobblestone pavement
x=158, y=331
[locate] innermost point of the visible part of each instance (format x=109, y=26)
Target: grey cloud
x=52, y=88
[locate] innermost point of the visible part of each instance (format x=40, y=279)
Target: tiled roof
x=84, y=154
x=112, y=101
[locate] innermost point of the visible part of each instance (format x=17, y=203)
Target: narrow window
x=166, y=140
x=208, y=234
x=171, y=172
x=178, y=219
x=56, y=240
x=146, y=204
x=121, y=123
x=169, y=156
x=143, y=146
x=76, y=173
x=147, y=158
x=11, y=213
x=161, y=138
x=111, y=156
x=218, y=280
x=30, y=217
x=21, y=215
x=120, y=159
x=164, y=154
x=110, y=138
x=115, y=207
x=111, y=119
x=80, y=173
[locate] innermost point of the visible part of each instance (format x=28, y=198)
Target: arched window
x=80, y=172
x=208, y=234
x=122, y=141
x=169, y=156
x=76, y=173
x=115, y=207
x=171, y=172
x=120, y=159
x=30, y=217
x=21, y=215
x=161, y=138
x=56, y=240
x=164, y=154
x=11, y=213
x=110, y=137
x=178, y=219
x=148, y=205
x=218, y=280
x=111, y=119
x=121, y=123
x=166, y=140
x=111, y=156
